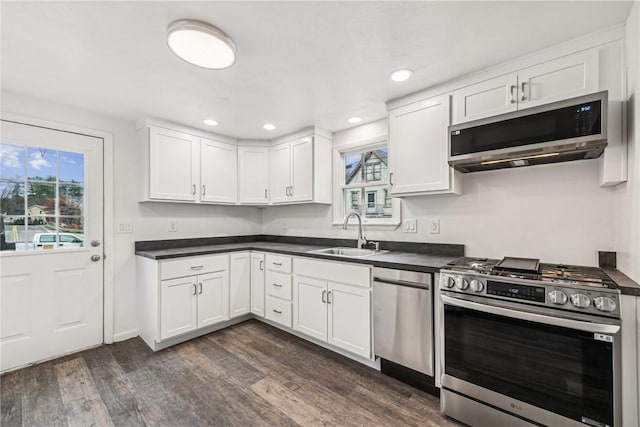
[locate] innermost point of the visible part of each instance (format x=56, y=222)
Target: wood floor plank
x=114, y=387
x=42, y=403
x=11, y=393
x=82, y=402
x=250, y=374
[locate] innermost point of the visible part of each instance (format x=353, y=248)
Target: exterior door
x=51, y=293
x=310, y=307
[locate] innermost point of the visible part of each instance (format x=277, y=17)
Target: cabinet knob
x=95, y=258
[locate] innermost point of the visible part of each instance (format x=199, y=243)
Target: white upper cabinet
x=418, y=152
x=300, y=168
x=173, y=165
x=488, y=98
x=550, y=81
x=280, y=173
x=253, y=175
x=218, y=172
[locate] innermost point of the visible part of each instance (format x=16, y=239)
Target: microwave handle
x=533, y=317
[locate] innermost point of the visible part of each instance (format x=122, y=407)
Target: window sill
x=390, y=224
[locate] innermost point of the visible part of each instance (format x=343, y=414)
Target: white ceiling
x=299, y=63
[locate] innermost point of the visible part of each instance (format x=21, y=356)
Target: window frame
x=339, y=187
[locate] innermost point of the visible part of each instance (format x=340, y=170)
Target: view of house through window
x=366, y=183
x=41, y=198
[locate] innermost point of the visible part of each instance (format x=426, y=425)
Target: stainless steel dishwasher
x=403, y=323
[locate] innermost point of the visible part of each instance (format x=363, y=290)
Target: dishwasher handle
x=424, y=286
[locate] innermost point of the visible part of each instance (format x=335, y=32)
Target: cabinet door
x=239, y=284
x=257, y=284
x=485, y=99
x=173, y=160
x=213, y=298
x=279, y=173
x=302, y=170
x=218, y=172
x=563, y=78
x=310, y=307
x=253, y=175
x=350, y=318
x=418, y=147
x=178, y=307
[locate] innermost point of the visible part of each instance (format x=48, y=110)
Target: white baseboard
x=122, y=336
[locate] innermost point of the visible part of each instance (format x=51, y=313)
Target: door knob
x=95, y=243
x=95, y=258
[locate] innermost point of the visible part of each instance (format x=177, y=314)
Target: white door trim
x=108, y=171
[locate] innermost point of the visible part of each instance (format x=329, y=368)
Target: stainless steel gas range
x=527, y=343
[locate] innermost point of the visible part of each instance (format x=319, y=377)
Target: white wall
x=557, y=213
x=627, y=200
x=150, y=220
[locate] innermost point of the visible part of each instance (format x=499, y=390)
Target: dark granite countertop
x=405, y=260
x=626, y=285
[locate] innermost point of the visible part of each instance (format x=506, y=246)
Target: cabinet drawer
x=190, y=266
x=278, y=310
x=279, y=263
x=279, y=285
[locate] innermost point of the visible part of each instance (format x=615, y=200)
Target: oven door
x=548, y=366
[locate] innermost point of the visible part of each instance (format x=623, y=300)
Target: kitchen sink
x=347, y=252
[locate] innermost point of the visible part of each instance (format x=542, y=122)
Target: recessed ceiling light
x=201, y=44
x=268, y=126
x=354, y=120
x=210, y=122
x=401, y=75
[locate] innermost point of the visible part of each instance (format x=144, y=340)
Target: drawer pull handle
x=196, y=267
x=324, y=294
x=200, y=287
x=277, y=311
x=261, y=265
x=329, y=297
x=195, y=289
x=277, y=286
x=279, y=264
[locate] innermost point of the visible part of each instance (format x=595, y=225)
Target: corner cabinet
x=418, y=149
x=183, y=167
x=300, y=168
x=253, y=175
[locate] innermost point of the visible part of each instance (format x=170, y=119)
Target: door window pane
x=41, y=200
x=71, y=167
x=71, y=199
x=41, y=164
x=11, y=161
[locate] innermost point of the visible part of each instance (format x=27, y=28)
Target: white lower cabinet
x=239, y=284
x=257, y=284
x=182, y=295
x=338, y=313
x=278, y=289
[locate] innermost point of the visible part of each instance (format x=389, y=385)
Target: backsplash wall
x=556, y=212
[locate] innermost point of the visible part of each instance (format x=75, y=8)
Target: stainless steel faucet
x=361, y=240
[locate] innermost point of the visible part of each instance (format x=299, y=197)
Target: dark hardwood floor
x=247, y=375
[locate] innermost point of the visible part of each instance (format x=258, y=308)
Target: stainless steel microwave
x=571, y=129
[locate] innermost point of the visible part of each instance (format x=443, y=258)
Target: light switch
x=410, y=226
x=125, y=227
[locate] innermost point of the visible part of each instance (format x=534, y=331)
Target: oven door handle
x=533, y=317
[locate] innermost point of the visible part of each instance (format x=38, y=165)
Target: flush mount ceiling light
x=201, y=44
x=354, y=120
x=210, y=122
x=401, y=75
x=269, y=126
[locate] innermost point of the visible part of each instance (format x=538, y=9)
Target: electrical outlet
x=434, y=226
x=173, y=226
x=125, y=227
x=410, y=226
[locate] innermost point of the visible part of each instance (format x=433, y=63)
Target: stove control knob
x=580, y=300
x=449, y=282
x=558, y=297
x=462, y=284
x=476, y=285
x=604, y=304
